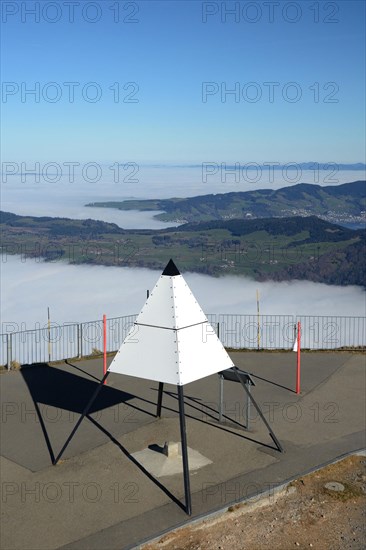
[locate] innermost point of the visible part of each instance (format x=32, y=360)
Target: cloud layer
x=85, y=293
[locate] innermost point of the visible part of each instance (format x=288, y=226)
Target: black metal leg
x=248, y=404
x=85, y=412
x=249, y=395
x=160, y=399
x=221, y=398
x=183, y=436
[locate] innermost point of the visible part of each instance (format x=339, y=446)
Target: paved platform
x=100, y=497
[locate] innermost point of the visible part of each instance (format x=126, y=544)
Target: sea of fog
x=63, y=193
x=85, y=293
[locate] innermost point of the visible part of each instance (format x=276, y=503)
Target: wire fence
x=263, y=332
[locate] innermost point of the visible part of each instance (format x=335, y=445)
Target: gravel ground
x=304, y=515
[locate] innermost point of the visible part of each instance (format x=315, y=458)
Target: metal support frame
x=221, y=399
x=247, y=383
x=83, y=415
x=271, y=433
x=183, y=436
x=160, y=400
x=187, y=489
x=248, y=386
x=182, y=422
x=183, y=439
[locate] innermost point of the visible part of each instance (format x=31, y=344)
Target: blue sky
x=168, y=53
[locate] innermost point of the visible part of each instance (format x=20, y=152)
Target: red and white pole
x=298, y=369
x=104, y=346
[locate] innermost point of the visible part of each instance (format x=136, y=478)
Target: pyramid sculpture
x=171, y=340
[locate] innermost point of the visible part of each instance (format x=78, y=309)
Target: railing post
x=8, y=350
x=218, y=329
x=80, y=340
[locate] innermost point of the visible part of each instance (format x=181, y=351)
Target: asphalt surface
x=99, y=497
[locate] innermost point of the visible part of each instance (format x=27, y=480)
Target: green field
x=268, y=249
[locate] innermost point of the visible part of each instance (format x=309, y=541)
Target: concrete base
x=172, y=449
x=155, y=460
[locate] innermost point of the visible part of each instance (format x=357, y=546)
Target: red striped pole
x=104, y=346
x=298, y=358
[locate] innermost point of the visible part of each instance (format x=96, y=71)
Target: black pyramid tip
x=171, y=269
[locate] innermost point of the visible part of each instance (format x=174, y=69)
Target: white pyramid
x=171, y=340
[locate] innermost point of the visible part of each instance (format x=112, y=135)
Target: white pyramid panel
x=171, y=304
x=174, y=357
x=158, y=310
x=149, y=353
x=187, y=310
x=200, y=353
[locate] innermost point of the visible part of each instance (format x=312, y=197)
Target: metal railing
x=235, y=331
x=62, y=341
x=278, y=331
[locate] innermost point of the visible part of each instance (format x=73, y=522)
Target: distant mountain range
x=326, y=166
x=343, y=204
x=312, y=165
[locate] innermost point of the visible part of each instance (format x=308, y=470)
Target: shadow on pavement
x=51, y=386
x=215, y=422
x=67, y=362
x=273, y=383
x=57, y=388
